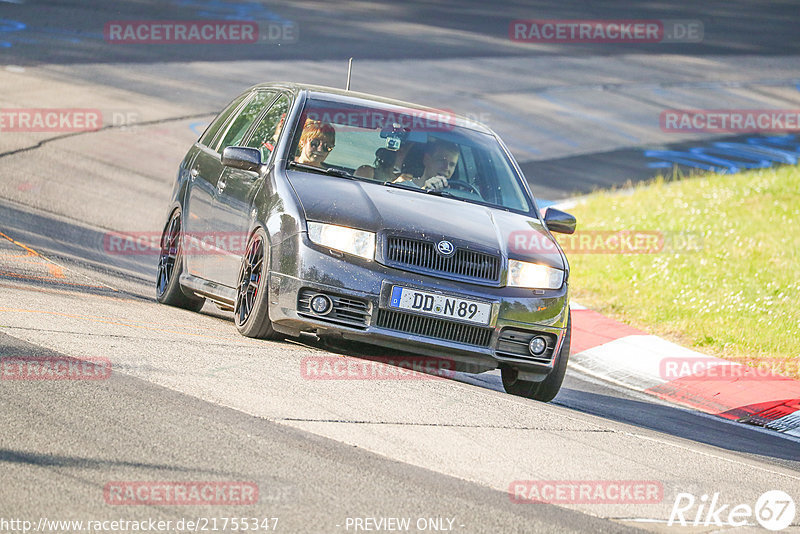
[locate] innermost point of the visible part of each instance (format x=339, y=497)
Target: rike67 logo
x=774, y=510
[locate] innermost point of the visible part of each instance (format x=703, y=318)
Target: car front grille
x=434, y=328
x=514, y=343
x=422, y=256
x=346, y=311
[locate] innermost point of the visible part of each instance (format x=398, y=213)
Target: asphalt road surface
x=188, y=399
x=548, y=101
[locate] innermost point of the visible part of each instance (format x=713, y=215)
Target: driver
x=316, y=142
x=439, y=161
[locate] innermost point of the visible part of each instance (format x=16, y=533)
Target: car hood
x=378, y=208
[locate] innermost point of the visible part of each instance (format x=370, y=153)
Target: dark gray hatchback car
x=310, y=209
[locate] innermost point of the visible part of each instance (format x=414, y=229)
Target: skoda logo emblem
x=445, y=248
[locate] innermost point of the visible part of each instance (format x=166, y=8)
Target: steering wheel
x=464, y=186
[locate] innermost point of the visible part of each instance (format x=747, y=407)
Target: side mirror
x=240, y=157
x=559, y=221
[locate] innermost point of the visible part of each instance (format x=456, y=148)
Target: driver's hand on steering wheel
x=435, y=183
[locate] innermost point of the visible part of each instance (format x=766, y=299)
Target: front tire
x=547, y=389
x=251, y=311
x=170, y=267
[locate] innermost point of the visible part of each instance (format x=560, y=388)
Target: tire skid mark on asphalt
x=34, y=278
x=442, y=425
x=105, y=320
x=117, y=336
x=734, y=461
x=55, y=269
x=18, y=257
x=30, y=251
x=58, y=291
x=43, y=142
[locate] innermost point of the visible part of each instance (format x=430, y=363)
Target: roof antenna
x=349, y=70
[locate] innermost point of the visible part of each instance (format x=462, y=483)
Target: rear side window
x=239, y=126
x=211, y=132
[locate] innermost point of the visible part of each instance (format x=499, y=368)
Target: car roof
x=355, y=97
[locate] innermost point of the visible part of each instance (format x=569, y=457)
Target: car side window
x=211, y=131
x=239, y=126
x=266, y=134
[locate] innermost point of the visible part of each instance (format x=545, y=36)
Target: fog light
x=537, y=346
x=321, y=305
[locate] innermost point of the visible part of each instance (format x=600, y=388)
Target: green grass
x=737, y=297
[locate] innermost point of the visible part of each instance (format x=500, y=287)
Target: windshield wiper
x=436, y=192
x=331, y=171
x=440, y=193
x=401, y=185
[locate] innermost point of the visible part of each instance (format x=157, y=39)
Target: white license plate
x=465, y=310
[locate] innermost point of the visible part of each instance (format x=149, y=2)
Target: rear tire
x=170, y=267
x=251, y=311
x=547, y=389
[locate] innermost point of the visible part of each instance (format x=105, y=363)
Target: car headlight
x=349, y=240
x=533, y=275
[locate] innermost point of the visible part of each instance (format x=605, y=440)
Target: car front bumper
x=300, y=269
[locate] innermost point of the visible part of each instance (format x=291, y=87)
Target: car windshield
x=420, y=150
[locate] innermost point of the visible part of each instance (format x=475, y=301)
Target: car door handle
x=193, y=174
x=221, y=185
